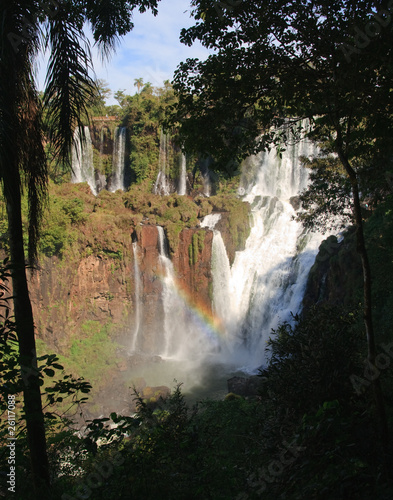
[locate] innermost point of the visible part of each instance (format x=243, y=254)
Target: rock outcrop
x=336, y=276
x=102, y=288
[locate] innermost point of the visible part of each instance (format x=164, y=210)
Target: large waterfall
x=82, y=159
x=118, y=159
x=266, y=282
x=263, y=288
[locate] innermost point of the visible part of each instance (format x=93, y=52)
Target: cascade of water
x=185, y=337
x=118, y=159
x=206, y=184
x=221, y=269
x=82, y=159
x=168, y=295
x=265, y=283
x=138, y=301
x=182, y=179
x=161, y=185
x=267, y=279
x=101, y=147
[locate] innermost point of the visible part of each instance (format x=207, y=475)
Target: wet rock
x=295, y=202
x=244, y=386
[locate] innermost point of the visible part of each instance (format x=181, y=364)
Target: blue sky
x=151, y=51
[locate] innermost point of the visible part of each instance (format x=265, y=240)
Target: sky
x=151, y=51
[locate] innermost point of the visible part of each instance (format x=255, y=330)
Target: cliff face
x=67, y=294
x=192, y=278
x=336, y=276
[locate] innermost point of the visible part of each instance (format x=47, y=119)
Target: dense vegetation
x=311, y=434
x=314, y=429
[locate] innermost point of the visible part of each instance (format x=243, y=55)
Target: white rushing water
x=206, y=184
x=82, y=160
x=118, y=159
x=161, y=185
x=137, y=298
x=267, y=280
x=185, y=336
x=182, y=190
x=263, y=287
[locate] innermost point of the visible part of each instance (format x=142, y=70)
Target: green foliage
x=92, y=354
x=196, y=247
x=327, y=200
x=143, y=114
x=58, y=231
x=61, y=398
x=324, y=346
x=308, y=433
x=264, y=71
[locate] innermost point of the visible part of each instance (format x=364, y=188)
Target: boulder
x=244, y=386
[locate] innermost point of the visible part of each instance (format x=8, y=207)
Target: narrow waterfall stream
x=82, y=160
x=185, y=336
x=182, y=190
x=118, y=159
x=161, y=185
x=137, y=298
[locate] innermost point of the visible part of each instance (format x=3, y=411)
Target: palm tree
x=26, y=27
x=138, y=82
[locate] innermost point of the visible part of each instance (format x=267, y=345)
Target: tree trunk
x=367, y=298
x=27, y=350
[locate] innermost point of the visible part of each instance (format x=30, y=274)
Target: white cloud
x=152, y=50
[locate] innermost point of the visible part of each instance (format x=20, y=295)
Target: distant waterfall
x=207, y=188
x=118, y=159
x=161, y=185
x=82, y=160
x=183, y=176
x=137, y=298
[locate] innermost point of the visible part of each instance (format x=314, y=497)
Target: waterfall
x=182, y=178
x=262, y=288
x=138, y=298
x=82, y=159
x=161, y=185
x=206, y=184
x=184, y=337
x=171, y=302
x=267, y=280
x=221, y=269
x=118, y=159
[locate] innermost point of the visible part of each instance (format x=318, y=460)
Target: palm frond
x=33, y=164
x=69, y=86
x=22, y=158
x=111, y=19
